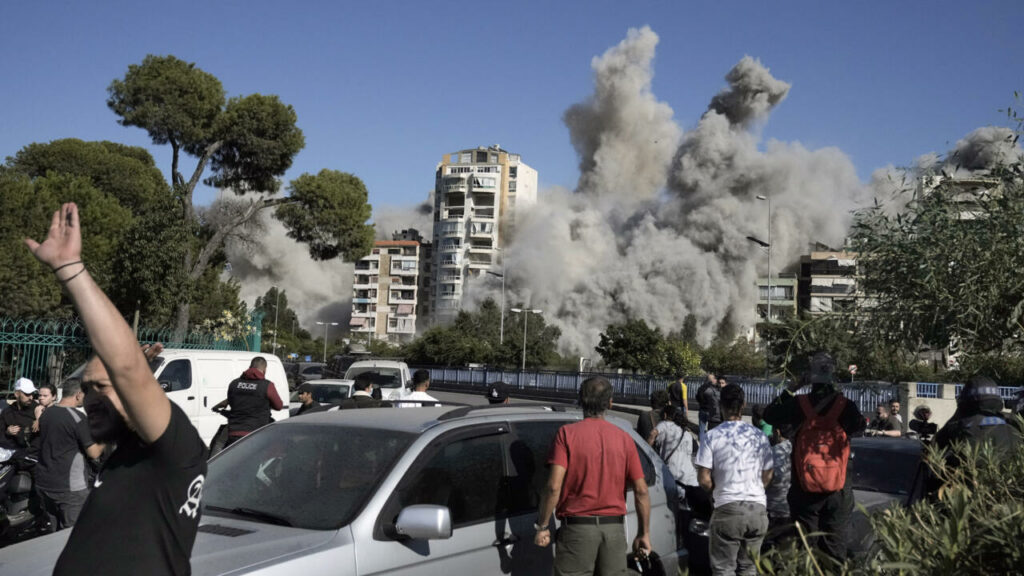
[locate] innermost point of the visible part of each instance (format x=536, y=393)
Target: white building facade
x=385, y=292
x=477, y=193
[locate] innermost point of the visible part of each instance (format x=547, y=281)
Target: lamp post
x=526, y=319
x=325, y=325
x=501, y=337
x=277, y=307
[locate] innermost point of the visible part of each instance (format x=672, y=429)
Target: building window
x=465, y=158
x=512, y=171
x=512, y=186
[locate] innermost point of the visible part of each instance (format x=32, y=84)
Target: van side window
x=464, y=475
x=176, y=376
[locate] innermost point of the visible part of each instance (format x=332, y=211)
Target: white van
x=391, y=375
x=196, y=380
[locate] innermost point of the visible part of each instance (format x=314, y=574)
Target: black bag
x=649, y=566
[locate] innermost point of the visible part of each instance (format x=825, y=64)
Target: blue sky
x=382, y=89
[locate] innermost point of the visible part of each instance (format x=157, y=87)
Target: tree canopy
x=635, y=346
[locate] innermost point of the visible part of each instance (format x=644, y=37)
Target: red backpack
x=822, y=448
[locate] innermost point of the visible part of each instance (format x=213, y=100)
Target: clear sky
x=383, y=88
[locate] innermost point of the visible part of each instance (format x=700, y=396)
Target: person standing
x=591, y=461
x=46, y=396
x=777, y=492
x=144, y=510
x=19, y=421
x=647, y=421
x=921, y=426
x=420, y=383
x=362, y=397
x=978, y=418
x=63, y=473
x=884, y=423
x=306, y=398
x=735, y=461
x=677, y=394
x=710, y=414
x=251, y=397
x=816, y=510
x=894, y=411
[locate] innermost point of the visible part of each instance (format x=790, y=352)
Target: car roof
x=886, y=444
x=420, y=419
x=332, y=382
x=377, y=364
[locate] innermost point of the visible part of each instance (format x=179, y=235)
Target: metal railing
x=928, y=390
x=633, y=388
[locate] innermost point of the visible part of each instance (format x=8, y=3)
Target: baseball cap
x=25, y=386
x=497, y=393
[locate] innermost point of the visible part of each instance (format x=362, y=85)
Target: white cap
x=25, y=386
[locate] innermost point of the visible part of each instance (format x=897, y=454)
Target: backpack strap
x=837, y=408
x=805, y=406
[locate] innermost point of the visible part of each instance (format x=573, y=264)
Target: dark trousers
x=827, y=513
x=62, y=508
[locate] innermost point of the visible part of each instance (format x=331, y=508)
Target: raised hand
x=63, y=244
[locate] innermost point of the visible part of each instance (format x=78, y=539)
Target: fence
x=42, y=350
x=633, y=388
x=931, y=390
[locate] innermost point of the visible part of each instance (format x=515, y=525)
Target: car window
x=313, y=370
x=383, y=377
x=464, y=475
x=528, y=455
x=176, y=376
x=310, y=476
x=879, y=470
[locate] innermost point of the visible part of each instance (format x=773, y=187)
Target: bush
x=973, y=524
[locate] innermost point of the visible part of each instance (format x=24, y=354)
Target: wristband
x=73, y=276
x=63, y=266
x=539, y=528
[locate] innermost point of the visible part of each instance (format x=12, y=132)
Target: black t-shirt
x=63, y=437
x=143, y=512
x=18, y=415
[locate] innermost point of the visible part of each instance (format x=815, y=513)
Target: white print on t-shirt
x=97, y=483
x=195, y=493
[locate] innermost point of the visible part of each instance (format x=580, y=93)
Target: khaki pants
x=737, y=529
x=586, y=549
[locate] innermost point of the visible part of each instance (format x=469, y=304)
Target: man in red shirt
x=591, y=464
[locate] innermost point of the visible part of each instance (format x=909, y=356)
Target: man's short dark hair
x=595, y=394
x=660, y=399
x=259, y=363
x=420, y=377
x=722, y=379
x=363, y=382
x=71, y=387
x=732, y=400
x=306, y=388
x=50, y=387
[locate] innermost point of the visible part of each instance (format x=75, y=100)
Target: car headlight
x=700, y=528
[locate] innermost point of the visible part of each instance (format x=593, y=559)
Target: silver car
x=452, y=491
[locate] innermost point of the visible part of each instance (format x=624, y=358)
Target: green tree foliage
x=26, y=207
x=945, y=270
x=474, y=338
x=635, y=346
x=247, y=142
x=328, y=212
x=738, y=357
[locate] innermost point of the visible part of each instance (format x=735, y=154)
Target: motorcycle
x=21, y=516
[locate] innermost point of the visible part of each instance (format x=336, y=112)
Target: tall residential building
x=828, y=282
x=385, y=290
x=476, y=195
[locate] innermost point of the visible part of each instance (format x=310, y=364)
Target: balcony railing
x=485, y=214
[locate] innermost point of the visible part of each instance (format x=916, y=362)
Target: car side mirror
x=424, y=522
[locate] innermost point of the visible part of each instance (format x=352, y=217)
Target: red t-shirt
x=599, y=459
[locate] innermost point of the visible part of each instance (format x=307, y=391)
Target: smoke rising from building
x=657, y=226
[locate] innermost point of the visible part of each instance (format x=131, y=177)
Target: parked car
x=882, y=471
x=329, y=392
x=392, y=376
x=301, y=372
x=385, y=491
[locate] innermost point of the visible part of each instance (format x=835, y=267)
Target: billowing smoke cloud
x=315, y=290
x=657, y=226
x=390, y=219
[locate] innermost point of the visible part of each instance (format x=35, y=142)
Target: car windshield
x=383, y=377
x=303, y=475
x=887, y=471
x=325, y=393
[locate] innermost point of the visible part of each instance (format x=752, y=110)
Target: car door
x=463, y=470
x=177, y=378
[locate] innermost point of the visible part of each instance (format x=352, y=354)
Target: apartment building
x=386, y=289
x=476, y=195
x=783, y=296
x=828, y=282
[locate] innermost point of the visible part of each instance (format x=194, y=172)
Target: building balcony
x=448, y=261
x=451, y=230
x=450, y=295
x=364, y=300
x=484, y=214
x=451, y=214
x=405, y=271
x=404, y=257
x=364, y=314
x=451, y=278
x=480, y=265
x=451, y=247
x=481, y=231
x=402, y=329
x=400, y=300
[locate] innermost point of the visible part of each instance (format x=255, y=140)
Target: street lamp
x=768, y=248
x=325, y=325
x=526, y=318
x=277, y=306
